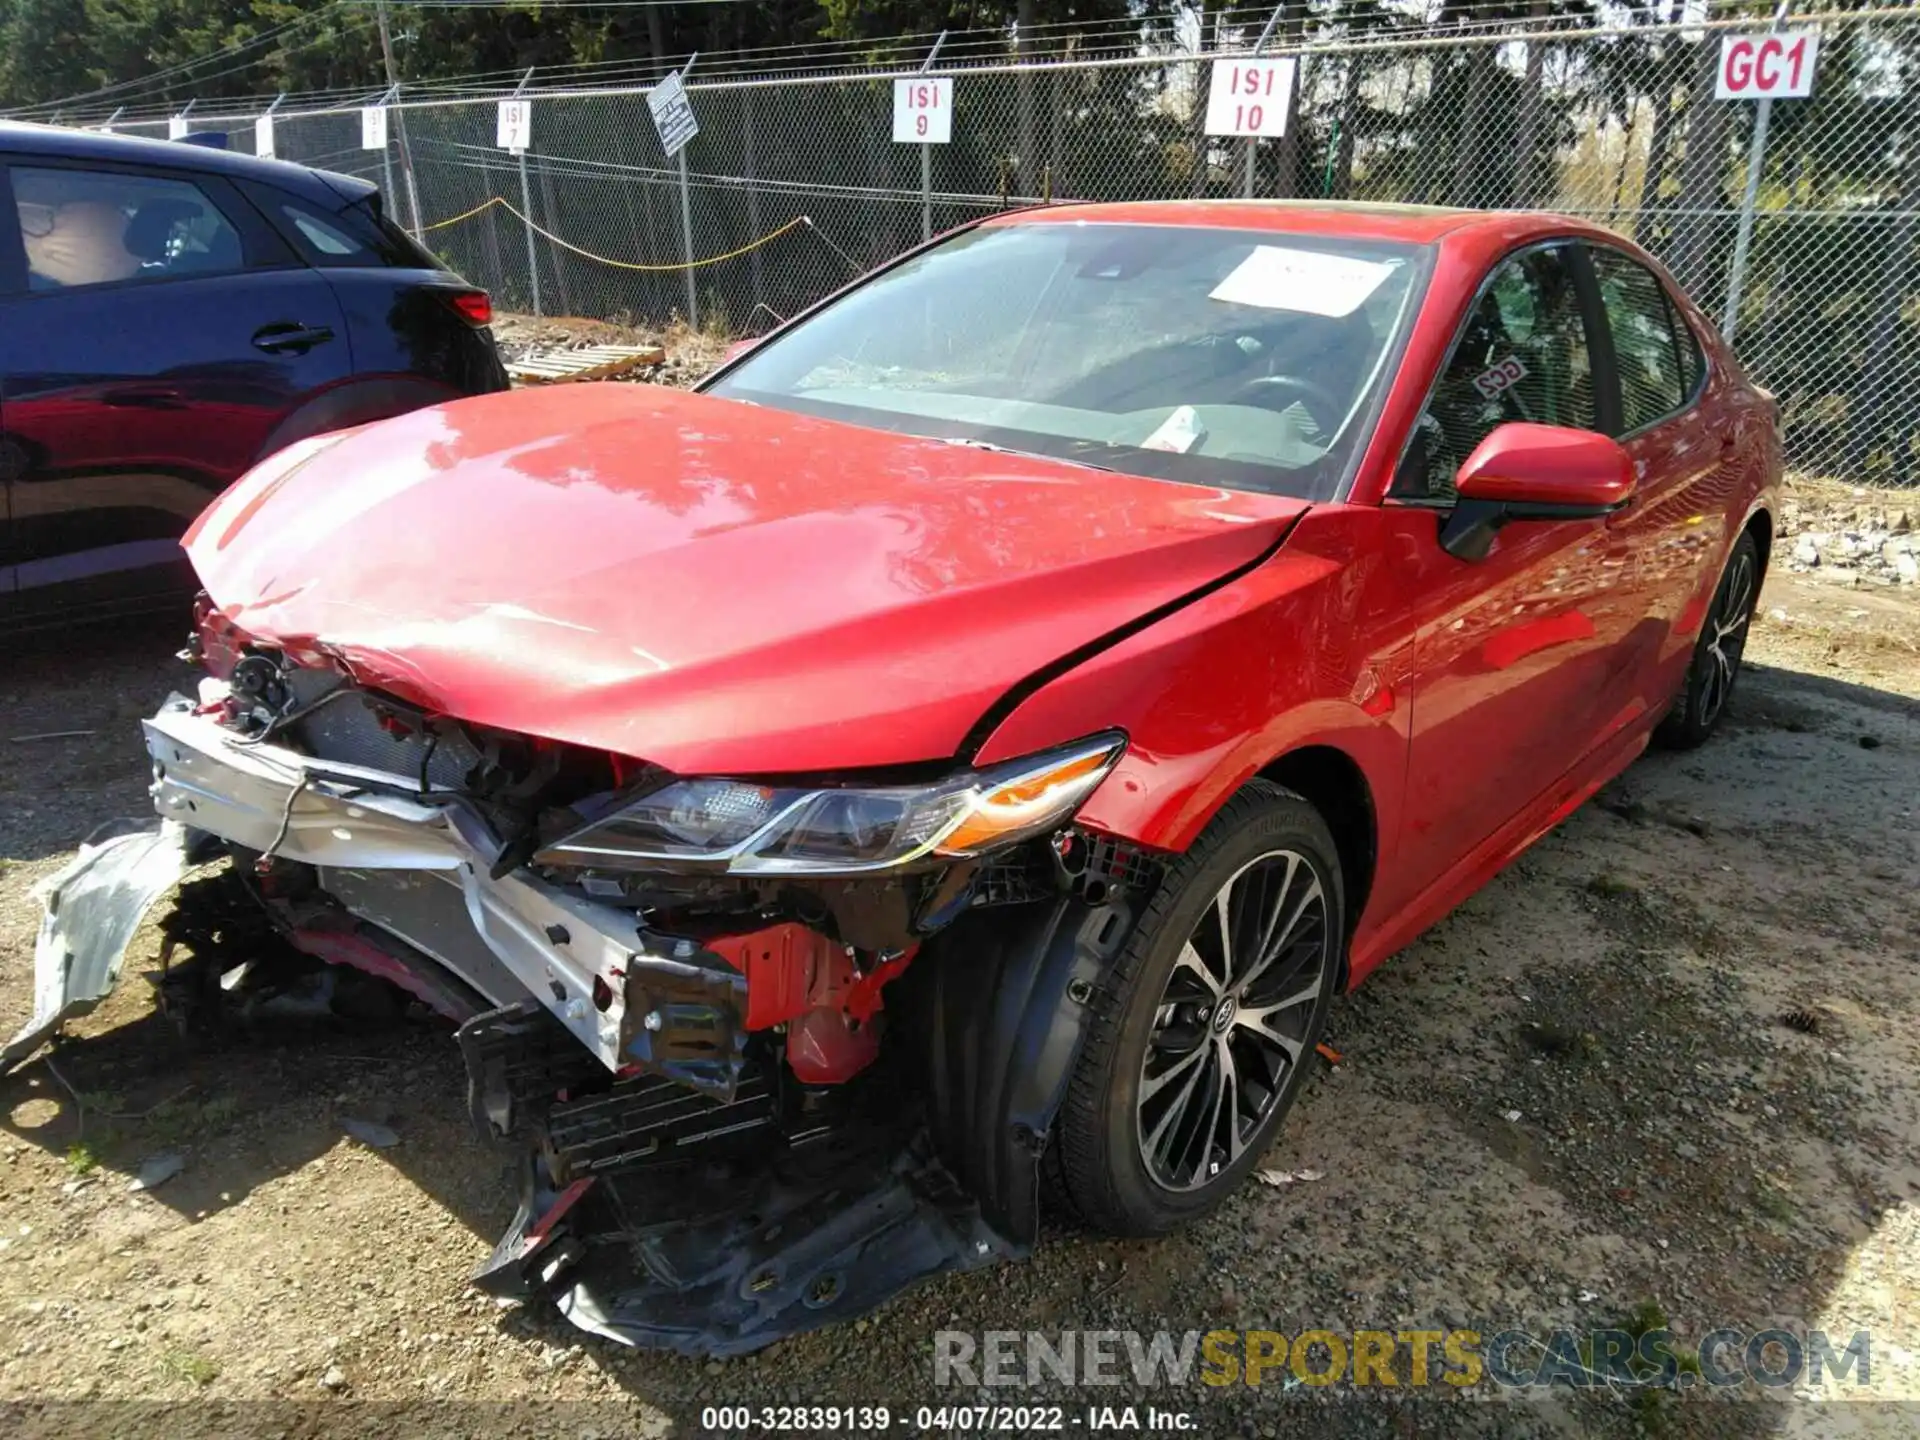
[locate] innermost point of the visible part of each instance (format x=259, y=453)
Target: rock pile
x=1861, y=540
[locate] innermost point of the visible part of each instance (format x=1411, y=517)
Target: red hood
x=709, y=585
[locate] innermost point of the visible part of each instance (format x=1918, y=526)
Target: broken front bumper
x=416, y=868
x=707, y=1216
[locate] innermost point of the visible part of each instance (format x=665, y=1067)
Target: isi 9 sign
x=1776, y=66
x=923, y=110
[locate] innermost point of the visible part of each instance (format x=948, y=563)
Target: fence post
x=686, y=220
x=754, y=266
x=1253, y=141
x=926, y=155
x=526, y=209
x=386, y=157
x=406, y=166
x=1736, y=277
x=559, y=255
x=526, y=216
x=1743, y=238
x=686, y=242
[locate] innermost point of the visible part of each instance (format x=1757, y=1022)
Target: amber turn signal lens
x=1030, y=800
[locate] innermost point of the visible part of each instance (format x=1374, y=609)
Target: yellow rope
x=768, y=238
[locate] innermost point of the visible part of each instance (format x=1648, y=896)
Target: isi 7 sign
x=1249, y=97
x=923, y=111
x=1776, y=66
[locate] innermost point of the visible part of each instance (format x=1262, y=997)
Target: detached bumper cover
x=92, y=908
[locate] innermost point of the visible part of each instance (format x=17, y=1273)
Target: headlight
x=747, y=829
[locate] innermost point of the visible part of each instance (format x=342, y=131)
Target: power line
x=359, y=22
x=821, y=55
x=986, y=45
x=813, y=56
x=148, y=81
x=545, y=4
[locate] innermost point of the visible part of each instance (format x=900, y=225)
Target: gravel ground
x=1670, y=1057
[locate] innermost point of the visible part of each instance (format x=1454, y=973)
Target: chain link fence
x=1617, y=125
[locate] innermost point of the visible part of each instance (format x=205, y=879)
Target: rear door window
x=1656, y=373
x=327, y=242
x=357, y=234
x=85, y=227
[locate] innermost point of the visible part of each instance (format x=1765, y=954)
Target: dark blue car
x=169, y=315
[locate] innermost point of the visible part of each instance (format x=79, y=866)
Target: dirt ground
x=1670, y=1058
x=690, y=353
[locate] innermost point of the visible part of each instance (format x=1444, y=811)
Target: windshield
x=1249, y=360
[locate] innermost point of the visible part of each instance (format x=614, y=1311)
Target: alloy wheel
x=1231, y=1025
x=1727, y=630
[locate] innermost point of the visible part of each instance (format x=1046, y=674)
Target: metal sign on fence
x=177, y=127
x=923, y=111
x=1249, y=97
x=672, y=114
x=514, y=128
x=373, y=127
x=263, y=137
x=1775, y=66
x=1767, y=67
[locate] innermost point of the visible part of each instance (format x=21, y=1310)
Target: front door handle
x=290, y=338
x=145, y=397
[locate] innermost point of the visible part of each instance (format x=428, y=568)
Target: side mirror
x=1534, y=472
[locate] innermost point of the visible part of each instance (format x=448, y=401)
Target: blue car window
x=84, y=228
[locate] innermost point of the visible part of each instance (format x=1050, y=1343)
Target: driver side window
x=1522, y=355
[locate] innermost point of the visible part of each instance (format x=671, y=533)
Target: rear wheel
x=1206, y=1030
x=1717, y=654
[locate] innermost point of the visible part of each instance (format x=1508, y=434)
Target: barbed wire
x=979, y=48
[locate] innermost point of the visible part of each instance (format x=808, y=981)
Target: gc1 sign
x=1776, y=66
x=1249, y=97
x=923, y=111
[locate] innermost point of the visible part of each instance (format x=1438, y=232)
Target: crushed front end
x=770, y=1050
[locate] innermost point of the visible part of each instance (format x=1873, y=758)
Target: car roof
x=1363, y=220
x=56, y=142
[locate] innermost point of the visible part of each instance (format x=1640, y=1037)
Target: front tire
x=1204, y=1033
x=1715, y=667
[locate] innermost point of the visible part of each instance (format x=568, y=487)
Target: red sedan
x=976, y=735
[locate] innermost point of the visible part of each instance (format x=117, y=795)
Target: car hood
x=703, y=583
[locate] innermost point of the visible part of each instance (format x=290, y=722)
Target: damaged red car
x=950, y=762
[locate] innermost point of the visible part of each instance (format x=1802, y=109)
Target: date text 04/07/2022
x=1016, y=1419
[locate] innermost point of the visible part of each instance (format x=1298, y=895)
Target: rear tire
x=1703, y=697
x=1199, y=1009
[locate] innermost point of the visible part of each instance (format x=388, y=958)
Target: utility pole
x=400, y=119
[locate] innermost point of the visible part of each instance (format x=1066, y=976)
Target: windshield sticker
x=1502, y=376
x=1307, y=281
x=1179, y=432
